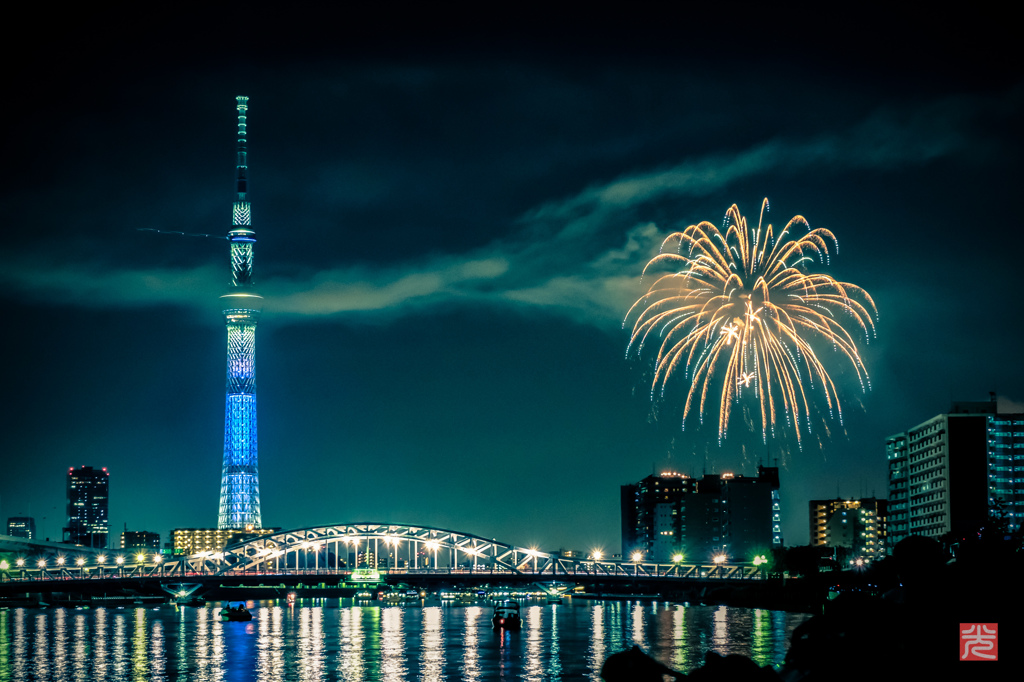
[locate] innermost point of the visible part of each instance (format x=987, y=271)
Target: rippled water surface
x=337, y=640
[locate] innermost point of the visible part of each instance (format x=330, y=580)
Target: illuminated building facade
x=948, y=474
x=858, y=525
x=21, y=527
x=672, y=514
x=239, y=488
x=189, y=541
x=88, y=498
x=140, y=540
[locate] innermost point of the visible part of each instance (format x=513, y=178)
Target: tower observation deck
x=239, y=486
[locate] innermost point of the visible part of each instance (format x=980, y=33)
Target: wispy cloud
x=580, y=256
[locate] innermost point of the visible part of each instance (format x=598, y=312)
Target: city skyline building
x=189, y=541
x=669, y=515
x=953, y=473
x=140, y=539
x=21, y=527
x=239, y=489
x=88, y=494
x=858, y=525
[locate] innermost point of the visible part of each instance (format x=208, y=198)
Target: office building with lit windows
x=189, y=541
x=947, y=475
x=857, y=525
x=21, y=527
x=88, y=498
x=671, y=515
x=140, y=540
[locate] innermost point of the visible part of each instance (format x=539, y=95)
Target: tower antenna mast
x=239, y=486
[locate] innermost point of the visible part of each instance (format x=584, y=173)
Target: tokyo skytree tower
x=239, y=484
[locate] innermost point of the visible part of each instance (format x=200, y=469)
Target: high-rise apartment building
x=88, y=498
x=21, y=527
x=948, y=474
x=673, y=514
x=858, y=525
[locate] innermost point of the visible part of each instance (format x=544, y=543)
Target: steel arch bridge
x=339, y=549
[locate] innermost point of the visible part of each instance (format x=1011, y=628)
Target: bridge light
x=4, y=565
x=677, y=558
x=101, y=558
x=140, y=557
x=80, y=561
x=60, y=561
x=20, y=562
x=119, y=560
x=638, y=556
x=41, y=563
x=157, y=558
x=719, y=558
x=597, y=554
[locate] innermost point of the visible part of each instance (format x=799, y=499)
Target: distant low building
x=140, y=540
x=858, y=525
x=672, y=515
x=21, y=527
x=190, y=541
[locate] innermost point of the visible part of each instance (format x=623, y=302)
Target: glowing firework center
x=739, y=314
x=239, y=487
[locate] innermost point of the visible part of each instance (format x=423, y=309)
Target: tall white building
x=949, y=473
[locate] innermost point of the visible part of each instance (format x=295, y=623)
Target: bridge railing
x=335, y=550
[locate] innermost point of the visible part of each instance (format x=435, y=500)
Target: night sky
x=452, y=217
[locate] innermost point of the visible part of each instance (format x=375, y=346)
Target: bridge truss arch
x=392, y=546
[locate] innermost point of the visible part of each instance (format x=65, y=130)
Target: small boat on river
x=235, y=614
x=506, y=615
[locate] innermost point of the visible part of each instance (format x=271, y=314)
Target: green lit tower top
x=239, y=488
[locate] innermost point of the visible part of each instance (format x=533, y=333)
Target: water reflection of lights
x=720, y=633
x=679, y=635
x=139, y=659
x=596, y=651
x=392, y=643
x=432, y=639
x=471, y=644
x=534, y=667
x=639, y=631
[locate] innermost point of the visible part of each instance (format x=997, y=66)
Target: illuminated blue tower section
x=239, y=485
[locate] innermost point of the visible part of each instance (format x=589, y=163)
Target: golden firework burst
x=740, y=313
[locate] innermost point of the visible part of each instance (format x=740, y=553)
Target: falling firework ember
x=740, y=314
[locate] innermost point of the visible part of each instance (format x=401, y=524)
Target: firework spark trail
x=740, y=314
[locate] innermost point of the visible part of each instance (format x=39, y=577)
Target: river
x=341, y=640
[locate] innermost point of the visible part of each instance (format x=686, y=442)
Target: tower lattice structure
x=239, y=486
